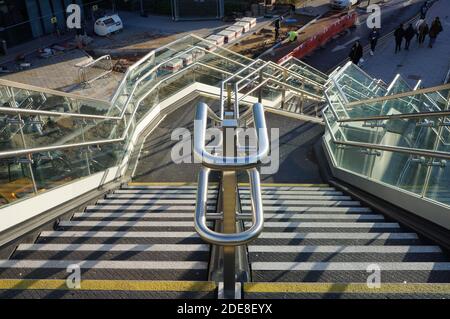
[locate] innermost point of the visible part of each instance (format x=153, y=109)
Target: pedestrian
x=399, y=34
x=373, y=39
x=423, y=31
x=417, y=26
x=277, y=28
x=292, y=8
x=423, y=10
x=409, y=34
x=356, y=52
x=435, y=29
x=292, y=35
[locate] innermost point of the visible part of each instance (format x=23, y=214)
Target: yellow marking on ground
x=113, y=285
x=394, y=288
x=288, y=185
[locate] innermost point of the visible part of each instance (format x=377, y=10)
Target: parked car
x=343, y=4
x=107, y=25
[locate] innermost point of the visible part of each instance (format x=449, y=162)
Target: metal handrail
x=296, y=75
x=418, y=115
x=230, y=237
x=234, y=239
x=227, y=162
x=303, y=63
x=88, y=116
x=29, y=87
x=99, y=142
x=391, y=85
x=401, y=95
x=381, y=147
x=82, y=72
x=16, y=110
x=78, y=97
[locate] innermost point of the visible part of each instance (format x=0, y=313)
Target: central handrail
x=226, y=162
x=235, y=239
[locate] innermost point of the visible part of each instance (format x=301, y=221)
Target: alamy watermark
x=374, y=18
x=240, y=142
x=74, y=16
x=374, y=279
x=73, y=281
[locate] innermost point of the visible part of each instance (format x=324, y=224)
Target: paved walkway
x=430, y=65
x=140, y=36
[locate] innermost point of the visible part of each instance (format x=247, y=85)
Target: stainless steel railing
x=95, y=70
x=228, y=164
x=380, y=147
x=235, y=239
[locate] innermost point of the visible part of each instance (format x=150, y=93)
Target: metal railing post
x=29, y=156
x=229, y=108
x=283, y=92
x=260, y=92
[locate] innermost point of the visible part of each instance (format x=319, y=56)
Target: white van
x=343, y=4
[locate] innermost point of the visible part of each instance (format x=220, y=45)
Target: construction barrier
x=322, y=37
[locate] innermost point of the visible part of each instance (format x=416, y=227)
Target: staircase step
x=308, y=209
x=329, y=226
x=166, y=187
x=293, y=203
x=107, y=289
x=327, y=217
x=326, y=290
x=333, y=238
x=113, y=252
x=345, y=253
x=301, y=197
x=155, y=216
x=129, y=225
x=350, y=271
x=119, y=237
x=105, y=269
x=143, y=208
x=290, y=188
x=156, y=196
x=163, y=192
x=246, y=192
x=148, y=202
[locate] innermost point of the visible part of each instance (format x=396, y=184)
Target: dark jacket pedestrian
x=424, y=10
x=399, y=34
x=423, y=31
x=435, y=29
x=293, y=8
x=356, y=52
x=373, y=39
x=277, y=25
x=409, y=34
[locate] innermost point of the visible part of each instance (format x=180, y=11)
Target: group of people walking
x=421, y=30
